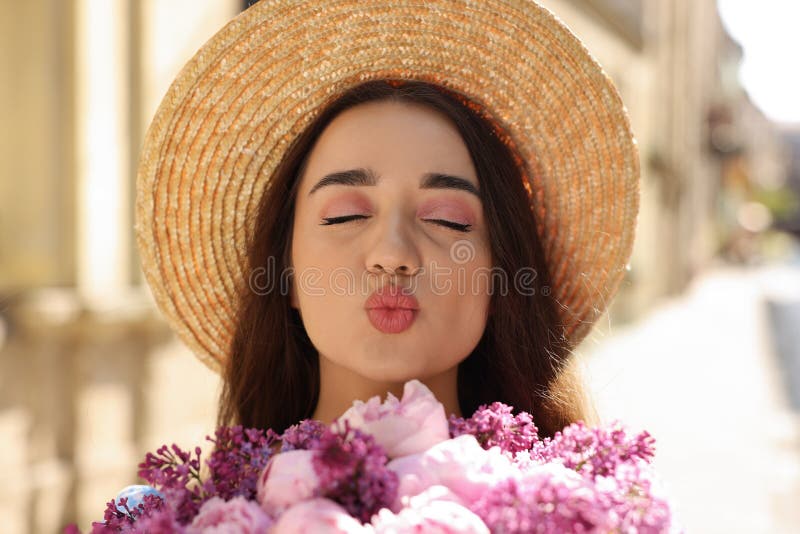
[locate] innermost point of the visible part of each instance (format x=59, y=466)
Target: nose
x=393, y=251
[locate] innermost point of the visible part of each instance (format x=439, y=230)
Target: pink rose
x=402, y=427
x=436, y=510
x=236, y=516
x=288, y=478
x=318, y=515
x=459, y=464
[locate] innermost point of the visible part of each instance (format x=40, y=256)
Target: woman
x=397, y=234
x=317, y=166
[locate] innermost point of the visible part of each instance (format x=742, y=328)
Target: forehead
x=392, y=138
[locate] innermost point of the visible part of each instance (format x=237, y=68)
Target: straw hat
x=235, y=107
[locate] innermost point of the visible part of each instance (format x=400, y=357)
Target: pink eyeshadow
x=349, y=204
x=450, y=209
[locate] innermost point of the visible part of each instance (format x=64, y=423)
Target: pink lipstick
x=390, y=311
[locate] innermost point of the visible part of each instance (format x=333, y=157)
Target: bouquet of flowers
x=401, y=466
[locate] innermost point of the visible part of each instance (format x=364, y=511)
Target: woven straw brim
x=235, y=107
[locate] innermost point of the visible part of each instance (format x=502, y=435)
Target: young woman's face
x=399, y=227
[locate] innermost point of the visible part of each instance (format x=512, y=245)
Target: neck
x=339, y=387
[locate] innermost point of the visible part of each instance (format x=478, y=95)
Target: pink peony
x=236, y=516
x=459, y=464
x=318, y=515
x=288, y=478
x=436, y=492
x=435, y=510
x=402, y=427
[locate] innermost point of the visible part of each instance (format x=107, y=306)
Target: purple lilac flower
x=177, y=475
x=636, y=501
x=235, y=465
x=120, y=517
x=597, y=451
x=615, y=464
x=352, y=471
x=162, y=521
x=136, y=493
x=495, y=425
x=304, y=435
x=117, y=517
x=237, y=461
x=580, y=480
x=549, y=500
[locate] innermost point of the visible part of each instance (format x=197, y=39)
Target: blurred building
x=789, y=216
x=676, y=69
x=91, y=378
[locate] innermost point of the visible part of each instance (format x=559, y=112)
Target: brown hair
x=272, y=378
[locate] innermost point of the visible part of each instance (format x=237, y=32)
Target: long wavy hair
x=272, y=377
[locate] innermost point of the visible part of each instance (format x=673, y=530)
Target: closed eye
x=450, y=224
x=347, y=218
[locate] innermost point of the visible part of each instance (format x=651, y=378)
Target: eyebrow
x=365, y=177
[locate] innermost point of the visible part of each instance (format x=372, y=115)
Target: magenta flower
x=551, y=499
x=459, y=464
x=638, y=499
x=235, y=466
x=402, y=427
x=436, y=510
x=236, y=516
x=120, y=517
x=288, y=479
x=162, y=520
x=176, y=474
x=597, y=451
x=303, y=435
x=494, y=425
x=237, y=461
x=318, y=515
x=489, y=472
x=352, y=471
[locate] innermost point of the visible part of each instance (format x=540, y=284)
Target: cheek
x=313, y=251
x=462, y=267
x=328, y=321
x=461, y=293
x=326, y=291
x=337, y=247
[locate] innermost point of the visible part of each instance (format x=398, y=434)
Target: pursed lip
x=391, y=298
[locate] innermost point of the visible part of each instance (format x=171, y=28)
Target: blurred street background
x=701, y=346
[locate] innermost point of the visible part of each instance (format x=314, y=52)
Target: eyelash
x=346, y=218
